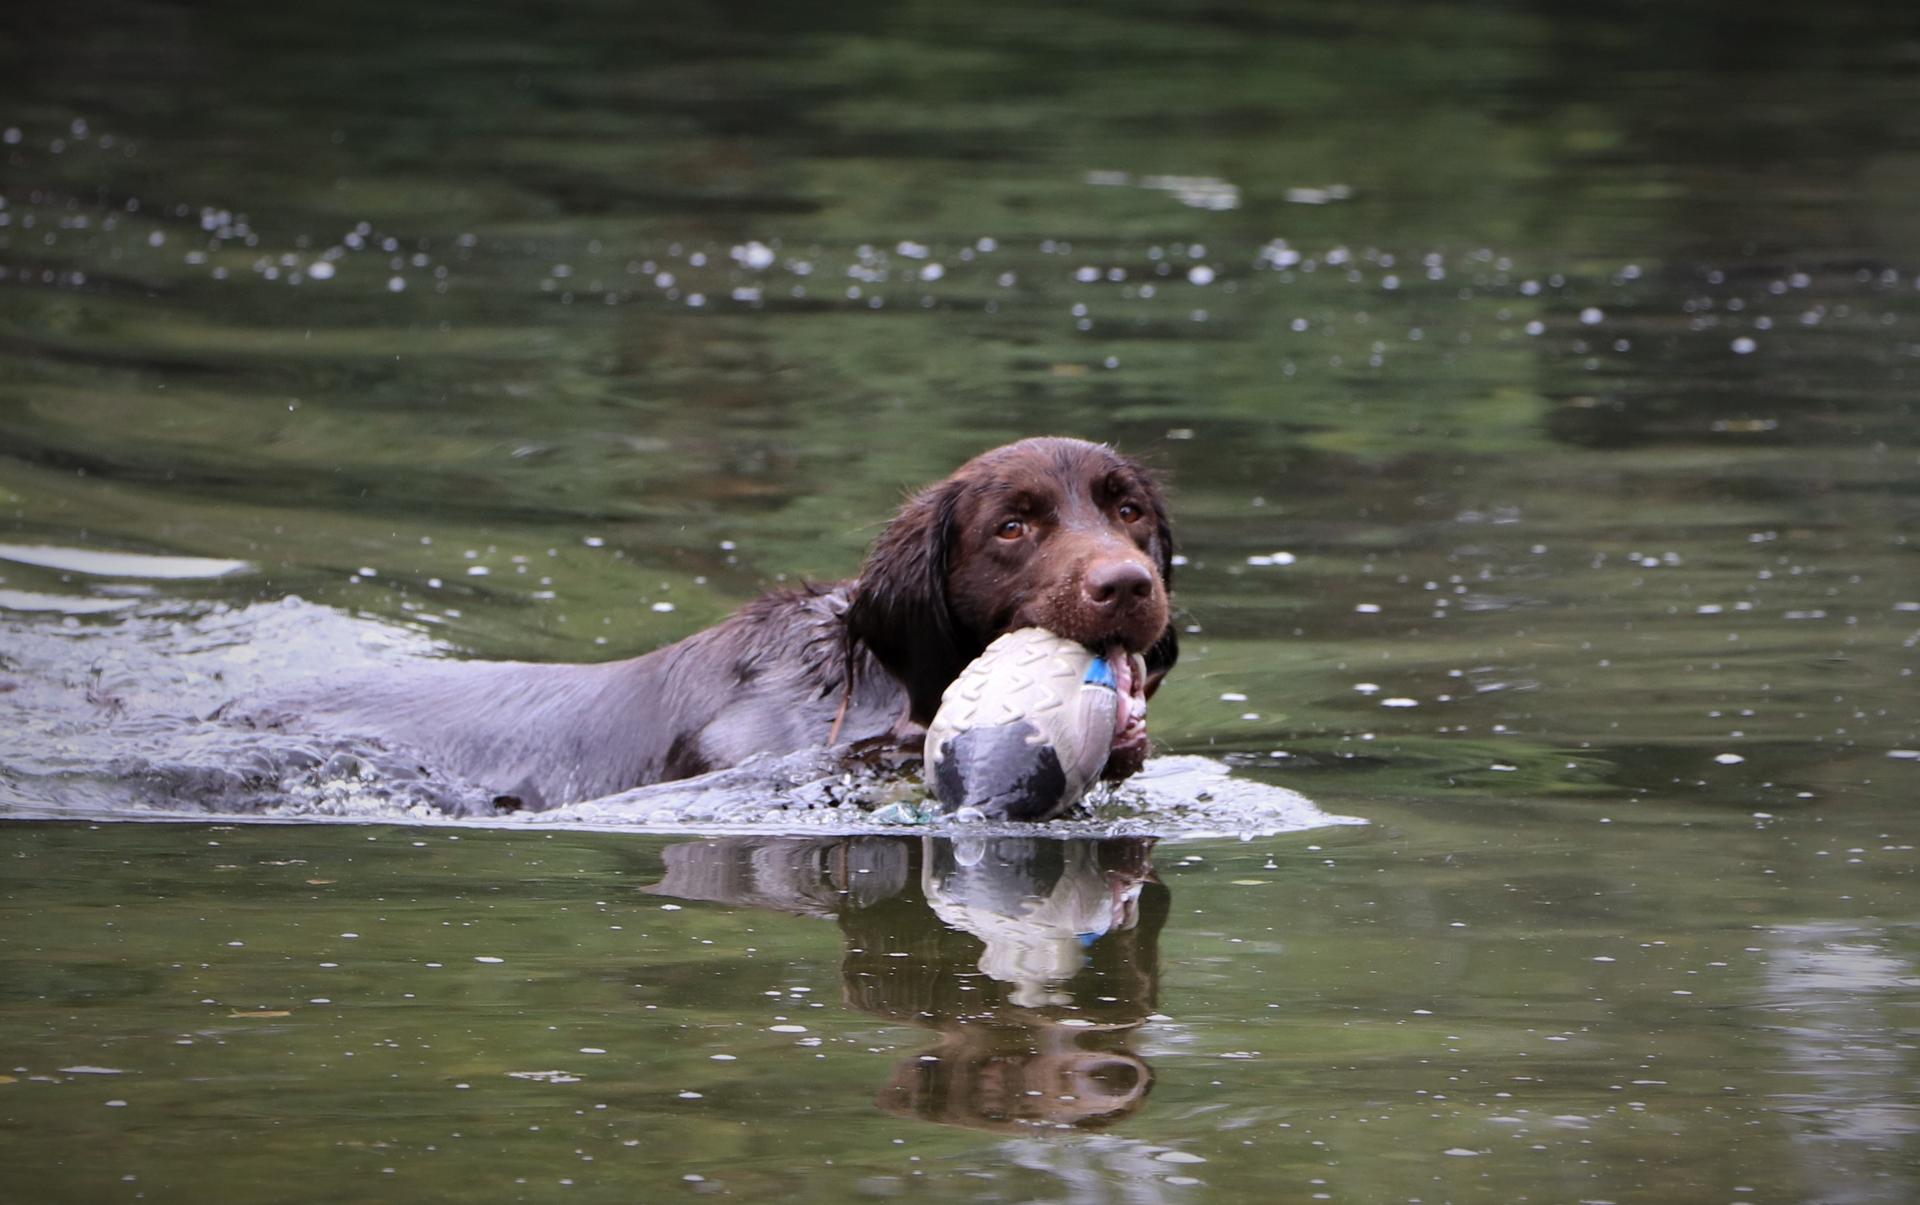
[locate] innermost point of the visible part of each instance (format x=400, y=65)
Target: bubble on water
x=1743, y=346
x=786, y=1029
x=1180, y=1157
x=396, y=284
x=1317, y=196
x=1279, y=255
x=1399, y=701
x=1367, y=688
x=487, y=958
x=1536, y=327
x=1729, y=759
x=663, y=607
x=320, y=269
x=1200, y=274
x=755, y=255
x=1367, y=608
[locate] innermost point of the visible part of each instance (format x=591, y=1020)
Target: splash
x=126, y=718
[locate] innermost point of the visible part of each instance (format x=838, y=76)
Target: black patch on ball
x=1005, y=772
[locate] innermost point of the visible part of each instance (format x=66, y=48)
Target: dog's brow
x=1019, y=497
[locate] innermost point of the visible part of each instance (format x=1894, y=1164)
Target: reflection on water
x=1834, y=992
x=1034, y=960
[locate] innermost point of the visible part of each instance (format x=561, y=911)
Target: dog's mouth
x=1130, y=702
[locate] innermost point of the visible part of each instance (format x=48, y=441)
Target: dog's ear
x=1162, y=524
x=1166, y=650
x=900, y=609
x=1160, y=658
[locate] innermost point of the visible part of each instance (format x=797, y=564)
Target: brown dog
x=1055, y=533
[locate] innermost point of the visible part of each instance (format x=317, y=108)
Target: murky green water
x=1537, y=395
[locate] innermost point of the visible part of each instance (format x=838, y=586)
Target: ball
x=1025, y=729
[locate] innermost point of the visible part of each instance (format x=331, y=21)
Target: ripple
x=99, y=563
x=27, y=600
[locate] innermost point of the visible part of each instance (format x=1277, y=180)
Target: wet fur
x=938, y=586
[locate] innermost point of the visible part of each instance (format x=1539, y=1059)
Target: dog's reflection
x=1034, y=960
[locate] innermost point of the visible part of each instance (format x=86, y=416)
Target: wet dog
x=1054, y=533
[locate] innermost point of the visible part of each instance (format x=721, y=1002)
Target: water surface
x=1535, y=391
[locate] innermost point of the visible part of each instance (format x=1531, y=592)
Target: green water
x=1536, y=394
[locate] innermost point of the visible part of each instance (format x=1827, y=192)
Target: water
x=1536, y=394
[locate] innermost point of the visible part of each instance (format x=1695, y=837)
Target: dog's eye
x=1129, y=513
x=1012, y=529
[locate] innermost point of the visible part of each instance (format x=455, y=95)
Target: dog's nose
x=1112, y=585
